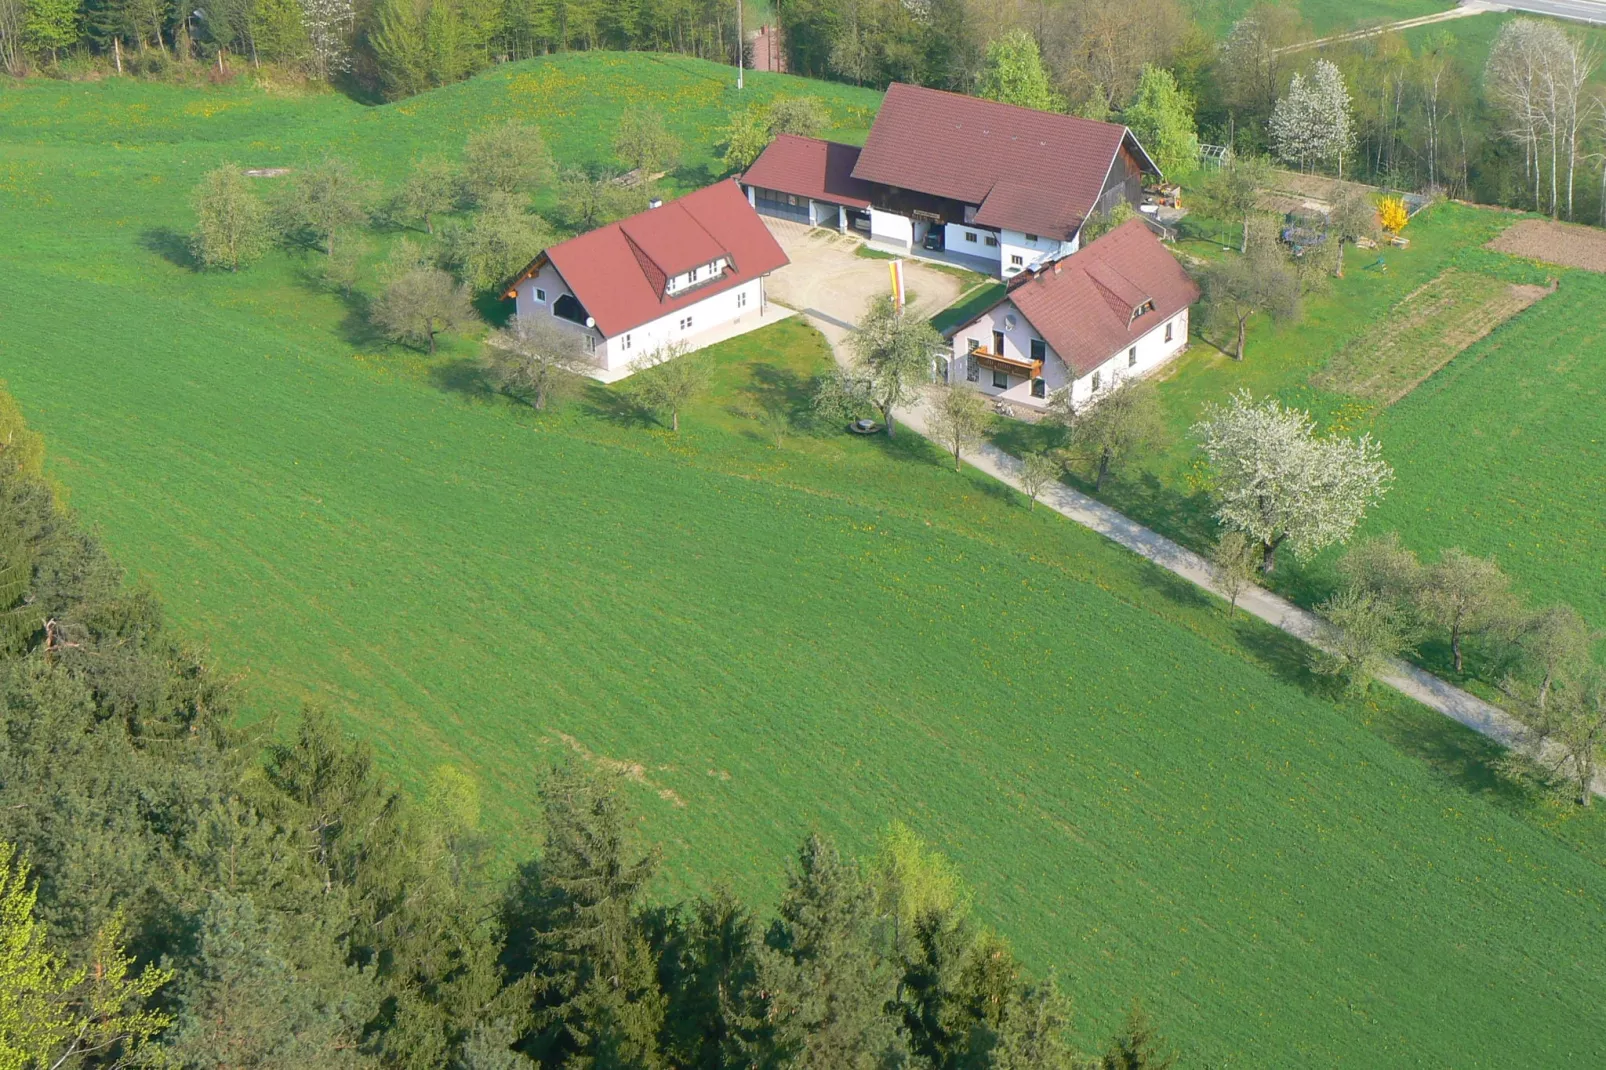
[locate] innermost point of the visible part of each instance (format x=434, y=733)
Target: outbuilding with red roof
x=1117, y=308
x=997, y=187
x=688, y=271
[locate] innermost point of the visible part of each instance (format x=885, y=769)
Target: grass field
x=1499, y=453
x=829, y=634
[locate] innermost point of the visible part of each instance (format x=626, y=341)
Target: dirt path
x=1439, y=695
x=1467, y=7
x=1567, y=244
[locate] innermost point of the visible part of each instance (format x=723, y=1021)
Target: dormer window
x=691, y=276
x=1147, y=306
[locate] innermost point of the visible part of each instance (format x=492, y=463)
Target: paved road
x=1436, y=694
x=1593, y=11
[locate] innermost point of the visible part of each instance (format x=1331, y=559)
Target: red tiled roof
x=1028, y=170
x=1082, y=305
x=809, y=167
x=618, y=272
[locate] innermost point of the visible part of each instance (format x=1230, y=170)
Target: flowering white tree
x=1312, y=122
x=1276, y=481
x=328, y=25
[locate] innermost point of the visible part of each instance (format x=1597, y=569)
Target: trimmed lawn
x=832, y=633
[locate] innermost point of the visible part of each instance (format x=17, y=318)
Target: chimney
x=654, y=203
x=1056, y=267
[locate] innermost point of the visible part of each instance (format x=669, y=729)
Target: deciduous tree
x=1353, y=217
x=1038, y=472
x=1565, y=733
x=502, y=237
x=1032, y=1035
x=1465, y=595
x=1161, y=115
x=536, y=361
x=1117, y=425
x=669, y=378
x=231, y=223
x=1238, y=287
x=1234, y=564
x=1369, y=631
x=324, y=200
x=1554, y=644
x=1232, y=192
x=508, y=157
x=421, y=304
x=1014, y=74
x=893, y=352
x=644, y=145
x=590, y=199
x=430, y=190
x=1138, y=1046
x=1276, y=480
x=957, y=418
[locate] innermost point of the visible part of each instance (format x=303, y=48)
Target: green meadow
x=825, y=633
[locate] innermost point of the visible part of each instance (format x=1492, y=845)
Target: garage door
x=781, y=205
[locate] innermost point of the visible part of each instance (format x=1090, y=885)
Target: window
x=972, y=368
x=591, y=342
x=992, y=240
x=1015, y=260
x=970, y=236
x=971, y=345
x=1000, y=379
x=624, y=343
x=1031, y=237
x=1039, y=388
x=685, y=323
x=791, y=199
x=1039, y=349
x=1168, y=330
x=540, y=295
x=741, y=299
x=1096, y=382
x=1132, y=357
x=691, y=276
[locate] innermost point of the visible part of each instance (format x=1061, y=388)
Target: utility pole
x=741, y=44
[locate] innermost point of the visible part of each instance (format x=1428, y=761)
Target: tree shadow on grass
x=1182, y=518
x=463, y=376
x=170, y=245
x=616, y=407
x=1176, y=589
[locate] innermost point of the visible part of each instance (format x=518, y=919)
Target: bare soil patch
x=1423, y=333
x=1567, y=244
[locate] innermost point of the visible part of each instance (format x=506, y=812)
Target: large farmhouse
x=691, y=271
x=1001, y=187
x=1117, y=308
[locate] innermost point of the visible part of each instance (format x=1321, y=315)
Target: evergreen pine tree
x=594, y=979
x=828, y=968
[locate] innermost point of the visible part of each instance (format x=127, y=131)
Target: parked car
x=934, y=242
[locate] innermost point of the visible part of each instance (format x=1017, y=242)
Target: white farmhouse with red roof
x=1005, y=187
x=691, y=271
x=1117, y=308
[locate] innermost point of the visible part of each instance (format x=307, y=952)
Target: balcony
x=1027, y=369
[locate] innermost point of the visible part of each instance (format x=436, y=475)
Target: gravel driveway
x=826, y=279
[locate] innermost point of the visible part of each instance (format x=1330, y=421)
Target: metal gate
x=781, y=205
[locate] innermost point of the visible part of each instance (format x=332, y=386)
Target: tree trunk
x=1242, y=323
x=674, y=420
x=886, y=417
x=1340, y=272
x=431, y=332
x=1268, y=555
x=1455, y=644
x=957, y=466
x=1243, y=242
x=1104, y=470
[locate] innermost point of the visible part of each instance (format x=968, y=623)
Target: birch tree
x=1274, y=479
x=328, y=25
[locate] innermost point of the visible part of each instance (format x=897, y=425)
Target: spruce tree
x=594, y=979
x=828, y=968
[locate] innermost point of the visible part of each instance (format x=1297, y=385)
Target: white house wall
x=729, y=306
x=1038, y=250
x=1152, y=351
x=615, y=354
x=953, y=240
x=891, y=227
